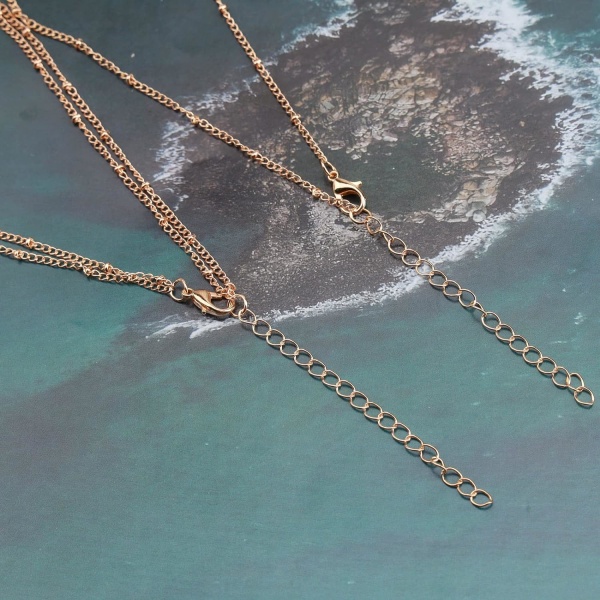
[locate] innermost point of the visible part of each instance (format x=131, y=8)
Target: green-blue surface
x=135, y=466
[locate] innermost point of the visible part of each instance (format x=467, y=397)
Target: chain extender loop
x=204, y=300
x=237, y=307
x=385, y=420
x=491, y=322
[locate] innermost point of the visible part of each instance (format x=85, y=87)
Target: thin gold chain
x=194, y=119
x=16, y=25
x=276, y=90
x=44, y=254
x=560, y=376
x=101, y=140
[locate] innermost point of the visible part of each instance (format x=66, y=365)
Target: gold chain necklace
x=22, y=30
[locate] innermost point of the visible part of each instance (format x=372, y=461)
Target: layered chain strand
x=276, y=90
x=44, y=254
x=201, y=123
x=560, y=376
x=80, y=113
x=26, y=249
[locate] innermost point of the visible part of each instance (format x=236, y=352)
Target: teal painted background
x=142, y=466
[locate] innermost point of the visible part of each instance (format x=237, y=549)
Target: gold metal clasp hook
x=205, y=301
x=342, y=189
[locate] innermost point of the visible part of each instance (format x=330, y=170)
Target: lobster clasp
x=343, y=189
x=205, y=301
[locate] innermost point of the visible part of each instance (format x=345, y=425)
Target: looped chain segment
x=560, y=376
x=359, y=401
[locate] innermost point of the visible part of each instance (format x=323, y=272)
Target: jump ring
x=369, y=405
x=367, y=214
x=585, y=390
x=244, y=306
x=383, y=415
x=505, y=327
x=479, y=492
x=288, y=342
x=437, y=273
x=302, y=352
x=546, y=359
x=394, y=240
x=436, y=454
x=243, y=317
x=451, y=471
x=579, y=378
x=517, y=338
x=344, y=383
x=484, y=318
x=464, y=303
x=373, y=230
x=329, y=373
x=450, y=283
x=404, y=428
x=428, y=263
x=409, y=438
x=261, y=323
x=275, y=332
x=185, y=290
x=360, y=407
x=416, y=257
x=462, y=482
x=567, y=381
x=535, y=350
x=318, y=363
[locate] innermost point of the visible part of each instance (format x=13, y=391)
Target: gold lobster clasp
x=343, y=189
x=205, y=301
